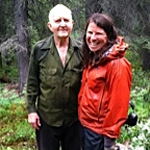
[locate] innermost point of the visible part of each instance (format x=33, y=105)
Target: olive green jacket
x=52, y=89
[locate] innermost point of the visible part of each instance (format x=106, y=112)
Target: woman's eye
x=99, y=33
x=90, y=32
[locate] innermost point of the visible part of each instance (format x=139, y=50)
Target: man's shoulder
x=44, y=43
x=41, y=42
x=41, y=48
x=76, y=43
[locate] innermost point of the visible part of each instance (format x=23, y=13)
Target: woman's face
x=96, y=37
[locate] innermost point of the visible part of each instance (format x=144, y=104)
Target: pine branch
x=9, y=44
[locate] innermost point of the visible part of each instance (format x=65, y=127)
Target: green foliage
x=140, y=43
x=140, y=47
x=9, y=66
x=16, y=133
x=6, y=26
x=134, y=58
x=143, y=138
x=139, y=135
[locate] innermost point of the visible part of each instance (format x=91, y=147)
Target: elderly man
x=53, y=84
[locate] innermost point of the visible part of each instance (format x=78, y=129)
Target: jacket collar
x=47, y=42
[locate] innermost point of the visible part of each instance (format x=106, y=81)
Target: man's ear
x=72, y=22
x=49, y=26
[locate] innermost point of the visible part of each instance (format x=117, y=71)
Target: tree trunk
x=22, y=50
x=0, y=61
x=0, y=31
x=1, y=17
x=144, y=12
x=146, y=59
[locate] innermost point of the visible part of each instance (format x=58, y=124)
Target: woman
x=106, y=83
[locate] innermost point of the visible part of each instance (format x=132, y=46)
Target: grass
x=139, y=135
x=16, y=133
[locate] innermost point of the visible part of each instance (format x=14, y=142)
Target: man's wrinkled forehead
x=60, y=10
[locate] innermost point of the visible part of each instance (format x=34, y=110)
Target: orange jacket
x=105, y=92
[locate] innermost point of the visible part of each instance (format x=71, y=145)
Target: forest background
x=23, y=23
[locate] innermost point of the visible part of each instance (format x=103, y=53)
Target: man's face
x=61, y=24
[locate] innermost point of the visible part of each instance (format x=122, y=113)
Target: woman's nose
x=93, y=37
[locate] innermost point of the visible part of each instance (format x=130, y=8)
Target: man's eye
x=57, y=21
x=66, y=20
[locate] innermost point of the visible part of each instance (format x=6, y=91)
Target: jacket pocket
x=48, y=77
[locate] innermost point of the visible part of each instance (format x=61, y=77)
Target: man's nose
x=62, y=23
